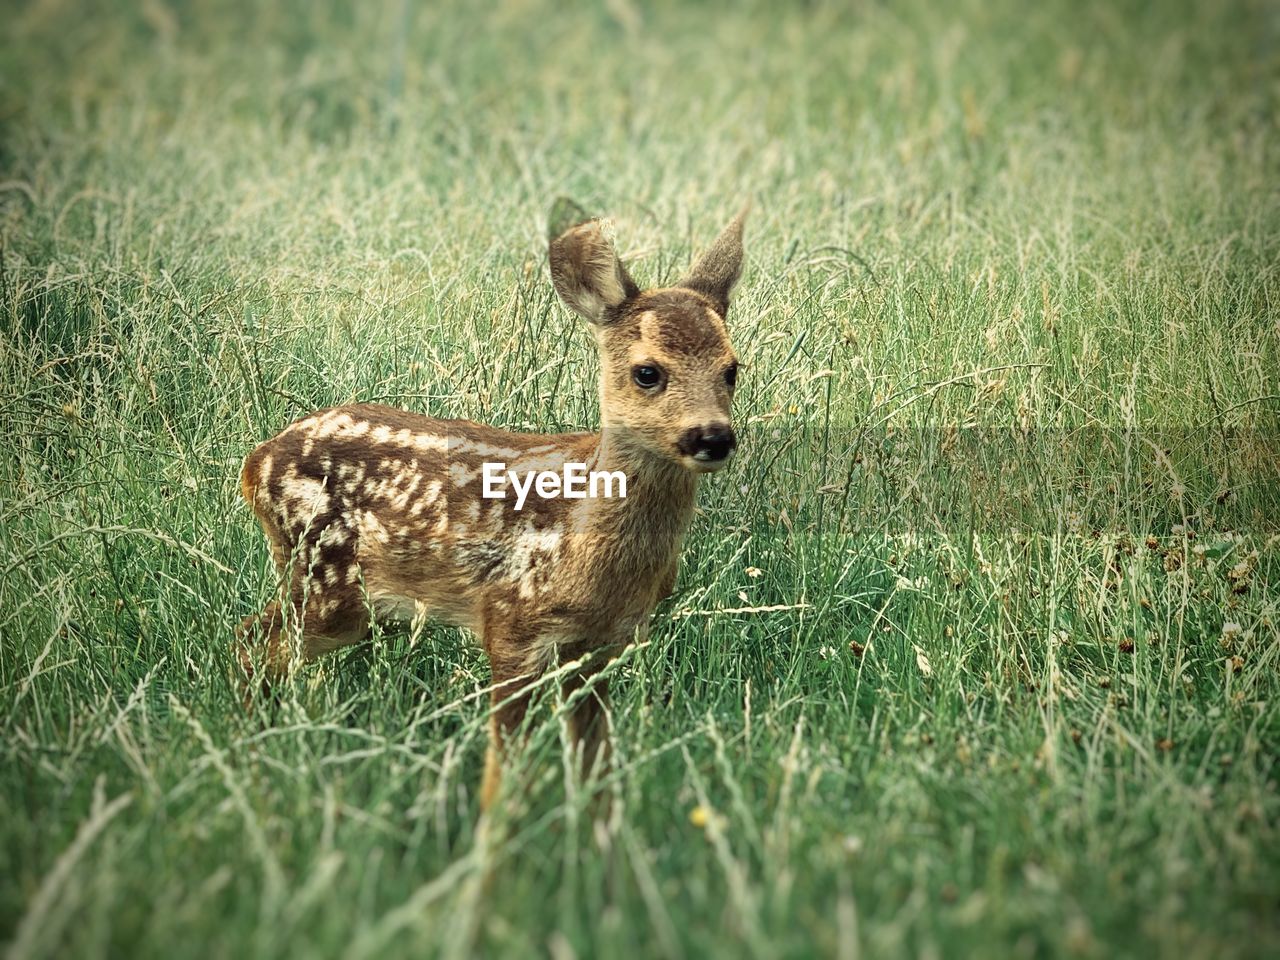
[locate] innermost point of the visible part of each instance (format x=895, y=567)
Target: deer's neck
x=649, y=523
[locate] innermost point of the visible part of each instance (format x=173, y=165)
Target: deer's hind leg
x=322, y=606
x=588, y=722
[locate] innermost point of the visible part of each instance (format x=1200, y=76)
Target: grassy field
x=1010, y=475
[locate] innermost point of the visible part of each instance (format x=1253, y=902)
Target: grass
x=1009, y=475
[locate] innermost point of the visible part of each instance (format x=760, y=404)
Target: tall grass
x=974, y=649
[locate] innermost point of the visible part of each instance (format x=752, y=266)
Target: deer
x=374, y=513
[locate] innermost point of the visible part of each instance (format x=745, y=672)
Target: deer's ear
x=718, y=269
x=587, y=273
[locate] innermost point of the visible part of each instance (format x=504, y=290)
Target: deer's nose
x=711, y=443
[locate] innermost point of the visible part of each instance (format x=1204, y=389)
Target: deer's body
x=370, y=509
x=378, y=507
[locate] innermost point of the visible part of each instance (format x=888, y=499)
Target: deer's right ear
x=587, y=273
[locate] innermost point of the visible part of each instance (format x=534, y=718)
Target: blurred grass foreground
x=974, y=649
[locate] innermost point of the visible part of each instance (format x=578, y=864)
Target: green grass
x=1010, y=422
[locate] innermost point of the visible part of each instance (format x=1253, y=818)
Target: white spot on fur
x=432, y=493
x=372, y=530
x=409, y=482
x=480, y=449
x=308, y=496
x=334, y=535
x=330, y=424
x=529, y=551
x=264, y=472
x=430, y=443
x=461, y=476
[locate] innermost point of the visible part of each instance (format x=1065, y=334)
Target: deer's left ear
x=718, y=269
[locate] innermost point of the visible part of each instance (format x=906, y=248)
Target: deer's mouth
x=705, y=461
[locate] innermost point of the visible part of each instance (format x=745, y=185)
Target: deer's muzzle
x=712, y=444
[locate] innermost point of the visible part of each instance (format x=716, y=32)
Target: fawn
x=369, y=509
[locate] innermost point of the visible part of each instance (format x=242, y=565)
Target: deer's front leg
x=509, y=703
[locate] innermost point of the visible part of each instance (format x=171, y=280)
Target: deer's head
x=667, y=368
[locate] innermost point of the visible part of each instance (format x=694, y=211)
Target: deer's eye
x=731, y=375
x=646, y=376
